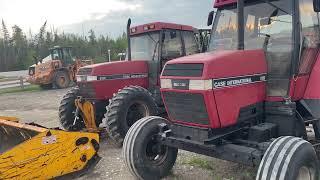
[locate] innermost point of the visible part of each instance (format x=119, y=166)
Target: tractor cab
x=254, y=98
x=64, y=54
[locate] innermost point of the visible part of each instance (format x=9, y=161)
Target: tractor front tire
x=61, y=79
x=143, y=155
x=67, y=111
x=289, y=158
x=125, y=108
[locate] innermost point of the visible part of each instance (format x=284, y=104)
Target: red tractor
x=122, y=92
x=253, y=99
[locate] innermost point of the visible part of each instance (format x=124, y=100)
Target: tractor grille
x=84, y=71
x=186, y=107
x=87, y=90
x=186, y=70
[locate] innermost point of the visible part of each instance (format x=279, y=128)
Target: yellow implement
x=33, y=152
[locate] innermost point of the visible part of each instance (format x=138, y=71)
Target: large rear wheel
x=67, y=111
x=62, y=79
x=125, y=108
x=289, y=158
x=144, y=156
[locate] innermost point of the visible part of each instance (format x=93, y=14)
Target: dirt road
x=42, y=108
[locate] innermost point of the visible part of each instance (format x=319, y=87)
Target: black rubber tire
x=67, y=110
x=135, y=150
x=46, y=86
x=61, y=84
x=116, y=118
x=285, y=157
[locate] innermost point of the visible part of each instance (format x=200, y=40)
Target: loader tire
x=289, y=158
x=143, y=155
x=46, y=86
x=67, y=111
x=62, y=79
x=125, y=108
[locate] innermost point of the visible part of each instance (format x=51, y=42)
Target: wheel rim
x=155, y=152
x=136, y=111
x=306, y=173
x=62, y=80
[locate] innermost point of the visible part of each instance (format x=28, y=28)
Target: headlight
x=166, y=83
x=92, y=78
x=86, y=78
x=200, y=84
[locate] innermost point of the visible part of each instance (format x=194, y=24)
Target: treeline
x=18, y=51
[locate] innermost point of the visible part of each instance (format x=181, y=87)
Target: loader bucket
x=32, y=152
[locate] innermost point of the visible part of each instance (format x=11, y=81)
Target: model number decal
x=122, y=76
x=236, y=81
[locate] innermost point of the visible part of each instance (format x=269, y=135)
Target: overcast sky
x=107, y=17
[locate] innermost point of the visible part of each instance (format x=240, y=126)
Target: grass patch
x=28, y=88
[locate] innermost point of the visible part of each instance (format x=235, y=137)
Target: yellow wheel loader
x=29, y=151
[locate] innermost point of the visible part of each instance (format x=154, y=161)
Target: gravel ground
x=41, y=108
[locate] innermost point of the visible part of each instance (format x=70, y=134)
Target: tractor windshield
x=264, y=21
x=145, y=46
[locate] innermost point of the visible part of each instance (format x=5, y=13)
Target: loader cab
x=290, y=49
x=64, y=54
x=160, y=42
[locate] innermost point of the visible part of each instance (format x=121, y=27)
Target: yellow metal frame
x=49, y=154
x=88, y=112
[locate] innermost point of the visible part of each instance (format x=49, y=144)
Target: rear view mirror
x=210, y=18
x=316, y=5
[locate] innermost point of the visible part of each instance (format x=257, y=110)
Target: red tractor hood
x=222, y=64
x=118, y=67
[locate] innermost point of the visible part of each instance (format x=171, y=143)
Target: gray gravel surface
x=42, y=108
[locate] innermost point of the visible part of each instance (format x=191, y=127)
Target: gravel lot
x=41, y=107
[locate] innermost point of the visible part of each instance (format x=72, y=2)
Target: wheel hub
x=155, y=152
x=135, y=112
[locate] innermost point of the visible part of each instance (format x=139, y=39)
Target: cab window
x=190, y=43
x=171, y=45
x=310, y=35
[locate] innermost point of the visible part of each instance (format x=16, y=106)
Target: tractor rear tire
x=62, y=79
x=67, y=111
x=125, y=108
x=143, y=155
x=289, y=158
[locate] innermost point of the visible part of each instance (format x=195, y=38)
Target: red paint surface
x=225, y=64
x=313, y=87
x=224, y=104
x=219, y=3
x=105, y=88
x=159, y=26
x=298, y=87
x=231, y=100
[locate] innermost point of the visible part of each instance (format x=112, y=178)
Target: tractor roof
x=156, y=26
x=219, y=3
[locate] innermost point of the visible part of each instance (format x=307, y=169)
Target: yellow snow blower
x=29, y=151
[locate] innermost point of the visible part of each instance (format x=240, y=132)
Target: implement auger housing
x=33, y=152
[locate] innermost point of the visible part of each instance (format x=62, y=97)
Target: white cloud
x=33, y=13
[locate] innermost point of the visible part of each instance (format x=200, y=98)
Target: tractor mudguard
x=32, y=152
